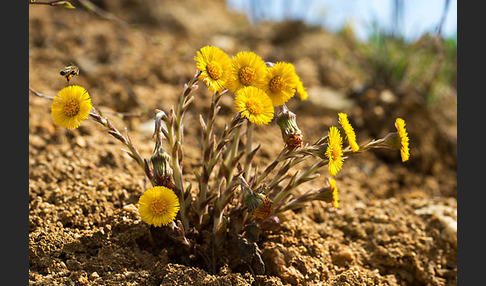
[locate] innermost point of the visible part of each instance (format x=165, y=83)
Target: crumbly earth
x=396, y=223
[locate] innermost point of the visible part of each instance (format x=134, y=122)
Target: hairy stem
x=249, y=141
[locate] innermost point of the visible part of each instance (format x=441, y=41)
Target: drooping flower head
x=265, y=209
x=254, y=104
x=215, y=67
x=348, y=129
x=158, y=206
x=334, y=190
x=258, y=204
x=291, y=134
x=71, y=106
x=162, y=172
x=301, y=91
x=299, y=88
x=334, y=151
x=402, y=132
x=248, y=69
x=280, y=82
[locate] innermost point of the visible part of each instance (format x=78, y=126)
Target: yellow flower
x=248, y=69
x=299, y=88
x=254, y=104
x=215, y=67
x=402, y=132
x=301, y=91
x=334, y=190
x=280, y=82
x=158, y=206
x=71, y=106
x=334, y=151
x=348, y=129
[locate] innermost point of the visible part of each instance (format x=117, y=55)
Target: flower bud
x=291, y=134
x=161, y=168
x=259, y=204
x=265, y=209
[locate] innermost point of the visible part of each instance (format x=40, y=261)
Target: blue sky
x=418, y=16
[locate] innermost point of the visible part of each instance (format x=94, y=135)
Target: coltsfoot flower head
x=215, y=67
x=71, y=106
x=265, y=209
x=259, y=204
x=334, y=151
x=280, y=82
x=291, y=134
x=348, y=129
x=161, y=168
x=158, y=206
x=294, y=141
x=402, y=132
x=248, y=69
x=334, y=190
x=254, y=104
x=301, y=90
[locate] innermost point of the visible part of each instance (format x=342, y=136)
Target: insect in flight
x=69, y=71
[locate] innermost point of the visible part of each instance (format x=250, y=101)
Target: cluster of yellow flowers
x=257, y=88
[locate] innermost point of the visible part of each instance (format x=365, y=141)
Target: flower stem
x=229, y=161
x=249, y=140
x=207, y=153
x=175, y=137
x=133, y=152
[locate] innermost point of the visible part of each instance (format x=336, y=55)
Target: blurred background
x=407, y=19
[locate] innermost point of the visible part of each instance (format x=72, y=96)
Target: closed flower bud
x=252, y=200
x=265, y=209
x=162, y=170
x=291, y=134
x=258, y=204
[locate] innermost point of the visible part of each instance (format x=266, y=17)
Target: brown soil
x=396, y=224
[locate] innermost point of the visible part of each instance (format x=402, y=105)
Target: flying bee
x=69, y=71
